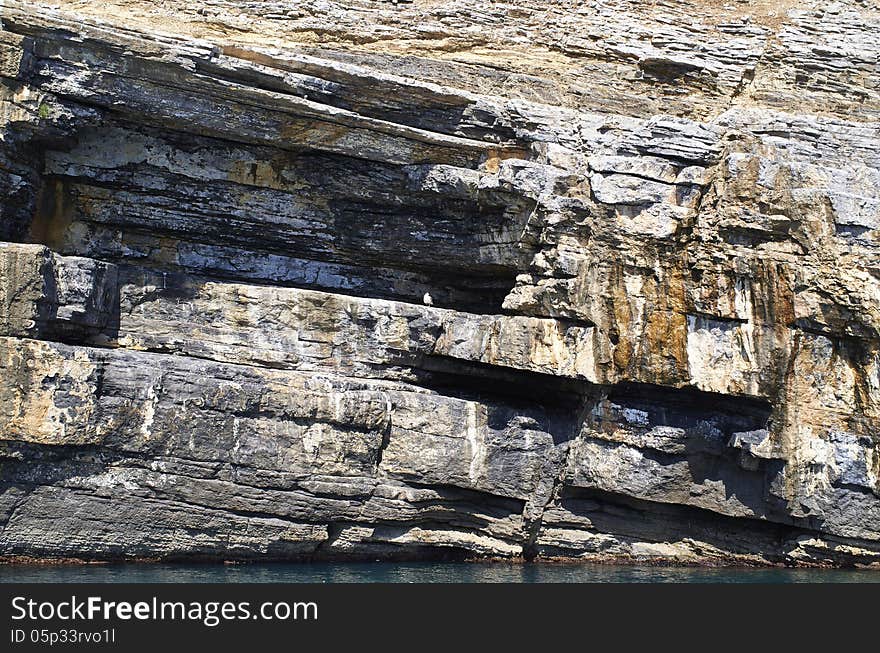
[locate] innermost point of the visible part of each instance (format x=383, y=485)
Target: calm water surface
x=389, y=572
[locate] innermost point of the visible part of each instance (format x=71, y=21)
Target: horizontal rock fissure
x=734, y=539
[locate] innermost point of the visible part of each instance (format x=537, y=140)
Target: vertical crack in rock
x=547, y=491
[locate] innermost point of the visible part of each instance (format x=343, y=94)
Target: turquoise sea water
x=426, y=572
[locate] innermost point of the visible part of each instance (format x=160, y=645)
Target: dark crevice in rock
x=331, y=222
x=485, y=502
x=629, y=518
x=474, y=380
x=687, y=408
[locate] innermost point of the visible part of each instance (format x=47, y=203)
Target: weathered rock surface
x=353, y=279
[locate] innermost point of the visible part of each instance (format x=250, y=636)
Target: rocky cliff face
x=594, y=280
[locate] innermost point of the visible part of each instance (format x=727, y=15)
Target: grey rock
x=452, y=280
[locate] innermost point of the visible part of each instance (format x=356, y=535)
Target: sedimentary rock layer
x=567, y=280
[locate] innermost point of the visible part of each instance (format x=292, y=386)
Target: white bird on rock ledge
x=427, y=300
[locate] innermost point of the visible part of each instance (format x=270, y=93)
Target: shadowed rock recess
x=649, y=236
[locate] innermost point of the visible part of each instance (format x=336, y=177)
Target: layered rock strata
x=594, y=281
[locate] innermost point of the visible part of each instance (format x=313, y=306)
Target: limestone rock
x=580, y=280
